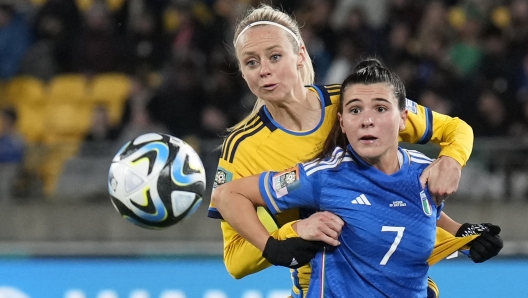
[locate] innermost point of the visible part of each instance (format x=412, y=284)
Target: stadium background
x=84, y=76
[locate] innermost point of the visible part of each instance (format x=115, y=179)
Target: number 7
x=395, y=244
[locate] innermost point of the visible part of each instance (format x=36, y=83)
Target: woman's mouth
x=368, y=139
x=270, y=87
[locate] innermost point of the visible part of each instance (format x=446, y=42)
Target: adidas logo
x=361, y=200
x=294, y=262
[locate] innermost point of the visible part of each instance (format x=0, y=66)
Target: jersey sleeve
x=454, y=136
x=290, y=189
x=224, y=173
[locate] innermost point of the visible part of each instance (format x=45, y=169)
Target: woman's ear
x=340, y=118
x=403, y=119
x=301, y=57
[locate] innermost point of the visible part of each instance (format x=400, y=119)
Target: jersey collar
x=273, y=125
x=367, y=167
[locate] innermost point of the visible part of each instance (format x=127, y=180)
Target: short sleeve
x=224, y=174
x=290, y=189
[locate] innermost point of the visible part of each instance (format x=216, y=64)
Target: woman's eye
x=275, y=57
x=381, y=109
x=251, y=63
x=354, y=110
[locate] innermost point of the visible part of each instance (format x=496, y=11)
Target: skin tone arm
x=319, y=226
x=448, y=224
x=236, y=201
x=443, y=176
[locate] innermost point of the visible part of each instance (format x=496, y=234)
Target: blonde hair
x=267, y=13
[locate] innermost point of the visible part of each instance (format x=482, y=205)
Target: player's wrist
x=468, y=229
x=291, y=252
x=288, y=230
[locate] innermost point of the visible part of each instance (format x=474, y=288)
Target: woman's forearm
x=236, y=201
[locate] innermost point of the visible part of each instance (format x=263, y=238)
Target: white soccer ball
x=156, y=180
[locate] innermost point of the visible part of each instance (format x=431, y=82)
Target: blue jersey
x=390, y=223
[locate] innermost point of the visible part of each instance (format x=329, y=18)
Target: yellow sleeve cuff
x=453, y=153
x=446, y=244
x=286, y=231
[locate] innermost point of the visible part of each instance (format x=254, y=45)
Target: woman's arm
x=236, y=202
x=242, y=258
x=448, y=224
x=454, y=136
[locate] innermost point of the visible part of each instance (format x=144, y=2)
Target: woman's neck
x=388, y=163
x=301, y=111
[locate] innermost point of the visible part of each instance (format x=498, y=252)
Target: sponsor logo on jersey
x=294, y=262
x=222, y=176
x=285, y=180
x=398, y=204
x=411, y=106
x=361, y=200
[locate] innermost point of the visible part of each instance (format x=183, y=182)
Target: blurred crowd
x=466, y=58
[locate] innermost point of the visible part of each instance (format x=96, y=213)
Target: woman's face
x=268, y=62
x=371, y=119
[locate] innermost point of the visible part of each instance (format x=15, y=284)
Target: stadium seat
x=31, y=121
x=67, y=121
x=66, y=126
x=67, y=87
x=67, y=117
x=26, y=94
x=24, y=89
x=68, y=111
x=111, y=90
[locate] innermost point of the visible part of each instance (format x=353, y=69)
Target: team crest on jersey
x=426, y=206
x=222, y=176
x=411, y=106
x=284, y=181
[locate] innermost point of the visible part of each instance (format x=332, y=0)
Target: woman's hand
x=321, y=226
x=442, y=177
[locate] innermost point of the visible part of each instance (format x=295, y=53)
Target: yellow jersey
x=262, y=144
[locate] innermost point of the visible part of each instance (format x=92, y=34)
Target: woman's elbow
x=235, y=272
x=234, y=267
x=217, y=195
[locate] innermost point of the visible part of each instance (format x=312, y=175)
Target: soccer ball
x=156, y=180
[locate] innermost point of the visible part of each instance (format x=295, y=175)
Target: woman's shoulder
x=244, y=138
x=328, y=93
x=417, y=158
x=333, y=162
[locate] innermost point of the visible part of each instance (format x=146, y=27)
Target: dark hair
x=368, y=71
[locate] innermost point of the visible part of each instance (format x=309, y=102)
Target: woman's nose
x=367, y=121
x=265, y=69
